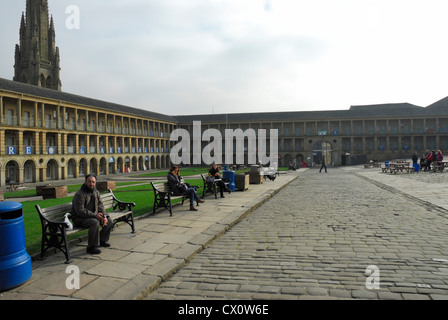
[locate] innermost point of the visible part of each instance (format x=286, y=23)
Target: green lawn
x=140, y=193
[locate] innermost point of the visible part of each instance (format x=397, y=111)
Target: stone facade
x=46, y=135
x=372, y=132
x=37, y=60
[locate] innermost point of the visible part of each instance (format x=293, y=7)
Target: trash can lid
x=6, y=206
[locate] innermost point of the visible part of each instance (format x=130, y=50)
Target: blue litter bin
x=15, y=262
x=230, y=176
x=416, y=167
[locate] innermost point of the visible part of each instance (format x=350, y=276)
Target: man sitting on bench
x=88, y=212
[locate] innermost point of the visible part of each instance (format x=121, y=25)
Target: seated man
x=88, y=212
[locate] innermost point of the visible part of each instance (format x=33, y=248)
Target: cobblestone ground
x=316, y=239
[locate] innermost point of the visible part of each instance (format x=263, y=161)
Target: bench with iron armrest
x=163, y=196
x=54, y=229
x=211, y=186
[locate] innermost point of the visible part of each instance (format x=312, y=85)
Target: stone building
x=370, y=132
x=51, y=135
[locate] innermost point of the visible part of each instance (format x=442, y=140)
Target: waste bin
x=15, y=262
x=416, y=167
x=229, y=175
x=386, y=163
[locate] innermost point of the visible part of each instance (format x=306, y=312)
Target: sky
x=182, y=57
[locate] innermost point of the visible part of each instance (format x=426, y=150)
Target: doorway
x=321, y=149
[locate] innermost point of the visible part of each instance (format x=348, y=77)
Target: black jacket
x=175, y=184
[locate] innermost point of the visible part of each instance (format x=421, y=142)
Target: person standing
x=415, y=158
x=323, y=164
x=88, y=212
x=429, y=159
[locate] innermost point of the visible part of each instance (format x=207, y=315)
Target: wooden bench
x=163, y=196
x=438, y=166
x=211, y=186
x=54, y=229
x=408, y=169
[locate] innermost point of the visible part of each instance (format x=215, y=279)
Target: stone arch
x=71, y=168
x=52, y=169
x=93, y=165
x=82, y=167
x=12, y=172
x=323, y=148
x=29, y=171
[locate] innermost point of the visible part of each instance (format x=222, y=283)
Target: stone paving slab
x=137, y=263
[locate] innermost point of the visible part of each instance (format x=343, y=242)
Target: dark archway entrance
x=320, y=149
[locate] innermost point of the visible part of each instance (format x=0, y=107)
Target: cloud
x=199, y=56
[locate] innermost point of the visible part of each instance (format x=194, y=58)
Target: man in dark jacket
x=88, y=212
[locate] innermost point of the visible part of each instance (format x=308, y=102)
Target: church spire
x=36, y=55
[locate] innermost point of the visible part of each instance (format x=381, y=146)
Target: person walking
x=323, y=164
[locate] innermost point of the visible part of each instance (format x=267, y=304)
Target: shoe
x=93, y=250
x=192, y=208
x=104, y=244
x=222, y=196
x=200, y=200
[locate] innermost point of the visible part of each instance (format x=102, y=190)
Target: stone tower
x=37, y=57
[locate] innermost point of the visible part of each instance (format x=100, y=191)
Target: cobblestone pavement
x=325, y=236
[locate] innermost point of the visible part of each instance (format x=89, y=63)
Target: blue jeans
x=191, y=192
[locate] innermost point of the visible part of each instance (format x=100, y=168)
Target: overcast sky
x=227, y=56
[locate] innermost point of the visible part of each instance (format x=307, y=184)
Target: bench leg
x=66, y=251
x=154, y=207
x=129, y=219
x=170, y=207
x=55, y=237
